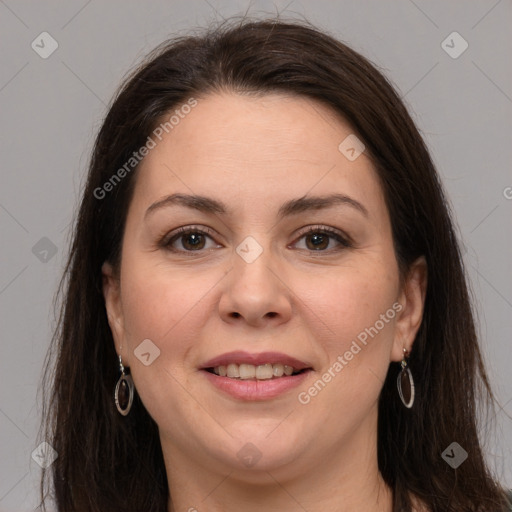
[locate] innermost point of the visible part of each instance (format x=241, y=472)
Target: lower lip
x=256, y=389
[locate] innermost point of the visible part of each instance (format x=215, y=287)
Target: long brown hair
x=107, y=462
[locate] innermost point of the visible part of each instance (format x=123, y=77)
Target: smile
x=249, y=371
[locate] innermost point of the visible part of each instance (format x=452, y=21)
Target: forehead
x=270, y=125
x=256, y=148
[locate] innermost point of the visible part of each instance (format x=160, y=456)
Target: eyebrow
x=289, y=208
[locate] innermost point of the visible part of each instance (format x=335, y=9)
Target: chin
x=254, y=449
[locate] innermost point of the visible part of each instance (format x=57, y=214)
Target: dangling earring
x=123, y=394
x=405, y=383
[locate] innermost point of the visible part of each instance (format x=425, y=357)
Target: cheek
x=159, y=303
x=356, y=314
x=166, y=308
x=351, y=301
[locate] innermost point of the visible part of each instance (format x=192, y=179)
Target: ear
x=412, y=300
x=112, y=296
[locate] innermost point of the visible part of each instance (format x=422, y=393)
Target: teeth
x=233, y=370
x=264, y=372
x=278, y=370
x=247, y=371
x=250, y=371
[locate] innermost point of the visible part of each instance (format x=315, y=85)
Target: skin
x=254, y=154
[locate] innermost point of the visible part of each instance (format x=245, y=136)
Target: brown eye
x=318, y=241
x=188, y=240
x=320, y=238
x=192, y=241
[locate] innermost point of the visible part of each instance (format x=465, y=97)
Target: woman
x=265, y=305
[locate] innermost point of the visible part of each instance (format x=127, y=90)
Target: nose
x=255, y=292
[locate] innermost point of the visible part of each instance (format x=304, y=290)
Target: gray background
x=51, y=109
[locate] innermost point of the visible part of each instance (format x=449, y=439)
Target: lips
x=245, y=387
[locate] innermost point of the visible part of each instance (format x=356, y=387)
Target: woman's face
x=288, y=252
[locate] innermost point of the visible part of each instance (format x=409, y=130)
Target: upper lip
x=241, y=357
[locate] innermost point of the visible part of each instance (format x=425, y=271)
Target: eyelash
x=167, y=240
